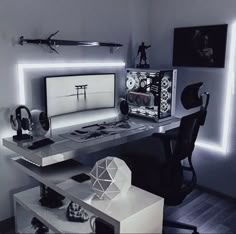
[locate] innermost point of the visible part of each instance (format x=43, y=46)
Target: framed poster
x=203, y=46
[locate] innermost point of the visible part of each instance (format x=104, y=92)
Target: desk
x=64, y=149
x=138, y=212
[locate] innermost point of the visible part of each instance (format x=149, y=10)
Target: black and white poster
x=202, y=46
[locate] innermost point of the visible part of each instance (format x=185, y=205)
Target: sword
x=50, y=42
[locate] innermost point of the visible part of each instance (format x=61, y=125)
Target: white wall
x=214, y=170
x=126, y=22
x=103, y=20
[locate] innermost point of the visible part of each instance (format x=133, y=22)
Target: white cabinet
x=144, y=214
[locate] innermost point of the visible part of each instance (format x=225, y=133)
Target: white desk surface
x=58, y=177
x=64, y=149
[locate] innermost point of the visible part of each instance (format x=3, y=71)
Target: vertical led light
x=229, y=90
x=21, y=81
x=223, y=147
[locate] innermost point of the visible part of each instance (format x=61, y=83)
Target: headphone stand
x=21, y=137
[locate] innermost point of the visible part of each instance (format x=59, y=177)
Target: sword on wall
x=51, y=43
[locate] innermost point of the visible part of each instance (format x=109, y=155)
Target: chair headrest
x=190, y=98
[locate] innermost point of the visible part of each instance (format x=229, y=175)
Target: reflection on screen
x=69, y=94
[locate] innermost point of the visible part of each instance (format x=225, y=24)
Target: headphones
x=17, y=122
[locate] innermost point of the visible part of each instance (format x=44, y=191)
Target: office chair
x=167, y=179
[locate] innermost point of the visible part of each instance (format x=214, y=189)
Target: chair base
x=173, y=224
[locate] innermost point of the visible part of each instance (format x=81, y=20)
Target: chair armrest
x=168, y=140
x=169, y=135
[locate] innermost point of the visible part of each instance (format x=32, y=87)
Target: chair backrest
x=188, y=131
x=190, y=124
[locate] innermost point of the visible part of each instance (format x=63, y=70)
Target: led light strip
x=23, y=67
x=223, y=147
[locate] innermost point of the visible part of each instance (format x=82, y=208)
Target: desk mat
x=100, y=131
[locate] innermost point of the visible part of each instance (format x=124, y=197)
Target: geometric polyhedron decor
x=110, y=177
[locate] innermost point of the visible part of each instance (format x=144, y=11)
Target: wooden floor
x=210, y=213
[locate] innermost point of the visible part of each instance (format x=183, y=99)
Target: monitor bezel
x=84, y=74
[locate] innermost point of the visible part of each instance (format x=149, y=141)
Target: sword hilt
x=52, y=35
x=21, y=40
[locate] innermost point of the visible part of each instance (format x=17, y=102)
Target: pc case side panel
x=165, y=93
x=174, y=89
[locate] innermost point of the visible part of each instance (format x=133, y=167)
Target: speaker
x=140, y=99
x=124, y=107
x=41, y=123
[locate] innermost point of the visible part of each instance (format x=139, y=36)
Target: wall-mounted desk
x=138, y=212
x=64, y=149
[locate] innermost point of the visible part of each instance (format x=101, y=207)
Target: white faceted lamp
x=110, y=177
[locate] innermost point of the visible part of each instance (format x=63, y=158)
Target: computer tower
x=151, y=93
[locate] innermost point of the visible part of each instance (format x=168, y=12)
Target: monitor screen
x=67, y=94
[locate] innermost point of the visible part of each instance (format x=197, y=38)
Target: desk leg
x=22, y=219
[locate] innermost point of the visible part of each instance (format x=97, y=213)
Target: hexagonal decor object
x=110, y=177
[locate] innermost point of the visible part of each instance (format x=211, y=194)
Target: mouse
x=124, y=125
x=81, y=131
x=93, y=135
x=101, y=128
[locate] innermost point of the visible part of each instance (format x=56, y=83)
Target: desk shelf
x=27, y=207
x=137, y=212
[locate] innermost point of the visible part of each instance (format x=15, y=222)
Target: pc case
x=151, y=93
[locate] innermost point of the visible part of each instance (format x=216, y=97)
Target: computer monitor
x=68, y=94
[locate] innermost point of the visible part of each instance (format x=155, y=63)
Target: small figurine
x=143, y=57
x=76, y=213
